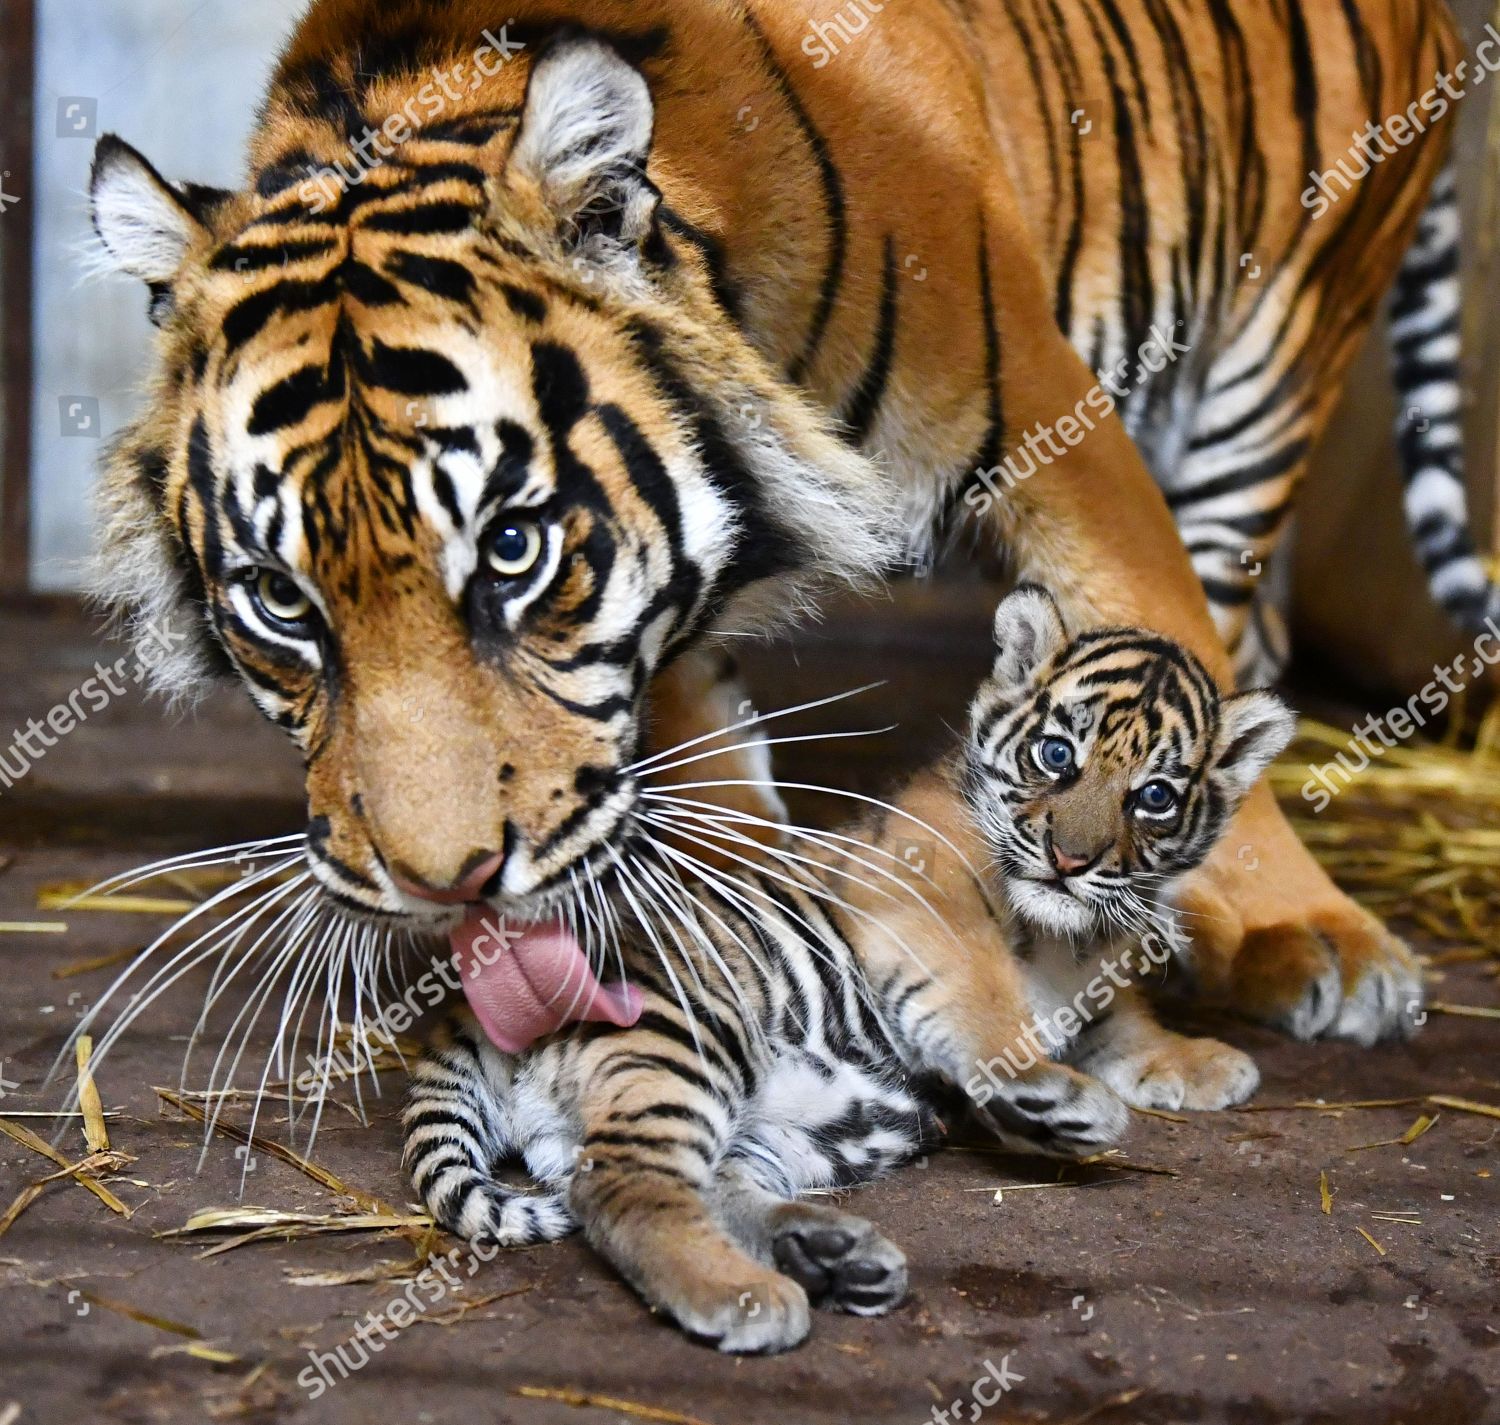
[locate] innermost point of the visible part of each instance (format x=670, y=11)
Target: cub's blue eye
x=1055, y=755
x=513, y=547
x=1157, y=797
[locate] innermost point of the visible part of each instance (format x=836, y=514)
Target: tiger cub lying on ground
x=803, y=1021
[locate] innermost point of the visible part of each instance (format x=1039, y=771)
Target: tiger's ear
x=584, y=141
x=145, y=224
x=1253, y=729
x=1028, y=631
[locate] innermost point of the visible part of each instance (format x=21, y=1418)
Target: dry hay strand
x=1414, y=835
x=367, y=1201
x=78, y=1171
x=264, y=1224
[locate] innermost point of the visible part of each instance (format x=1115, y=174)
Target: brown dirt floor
x=1216, y=1289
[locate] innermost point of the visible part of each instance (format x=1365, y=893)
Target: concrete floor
x=1213, y=1289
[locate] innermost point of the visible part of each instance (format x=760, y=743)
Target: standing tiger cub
x=804, y=1014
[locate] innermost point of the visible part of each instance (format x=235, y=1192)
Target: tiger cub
x=803, y=1017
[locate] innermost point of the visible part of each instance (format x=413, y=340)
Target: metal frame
x=17, y=104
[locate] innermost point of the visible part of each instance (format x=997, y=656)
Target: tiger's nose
x=1065, y=861
x=479, y=869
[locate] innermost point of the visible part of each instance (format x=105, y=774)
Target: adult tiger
x=452, y=449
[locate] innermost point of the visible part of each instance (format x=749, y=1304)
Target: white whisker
x=757, y=720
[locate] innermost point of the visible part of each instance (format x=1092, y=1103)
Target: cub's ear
x=584, y=140
x=1028, y=631
x=1253, y=729
x=145, y=224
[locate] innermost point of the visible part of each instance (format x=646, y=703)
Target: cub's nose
x=480, y=868
x=1066, y=862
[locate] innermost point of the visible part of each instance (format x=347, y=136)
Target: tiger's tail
x=1425, y=318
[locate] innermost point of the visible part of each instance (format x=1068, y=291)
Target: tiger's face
x=447, y=464
x=1105, y=767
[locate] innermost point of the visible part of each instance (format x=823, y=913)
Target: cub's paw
x=840, y=1261
x=1056, y=1111
x=1197, y=1074
x=746, y=1318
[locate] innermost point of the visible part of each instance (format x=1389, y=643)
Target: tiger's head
x=448, y=457
x=1103, y=768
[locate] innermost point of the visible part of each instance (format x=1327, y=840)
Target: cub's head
x=1103, y=767
x=448, y=450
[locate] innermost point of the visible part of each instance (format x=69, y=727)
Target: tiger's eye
x=1055, y=755
x=513, y=547
x=280, y=597
x=1157, y=797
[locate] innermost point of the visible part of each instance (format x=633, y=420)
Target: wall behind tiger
x=181, y=80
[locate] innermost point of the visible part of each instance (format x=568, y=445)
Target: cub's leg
x=1151, y=1067
x=457, y=1129
x=652, y=1138
x=838, y=1259
x=943, y=967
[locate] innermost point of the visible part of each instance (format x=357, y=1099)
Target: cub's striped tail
x=1425, y=321
x=450, y=1123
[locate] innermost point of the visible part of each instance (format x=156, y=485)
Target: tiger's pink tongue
x=525, y=983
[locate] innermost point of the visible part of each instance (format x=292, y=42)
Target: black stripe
x=290, y=401
x=833, y=198
x=864, y=405
x=439, y=275
x=426, y=218
x=409, y=371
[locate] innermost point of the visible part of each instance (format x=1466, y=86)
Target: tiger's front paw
x=757, y=1317
x=1326, y=970
x=1275, y=939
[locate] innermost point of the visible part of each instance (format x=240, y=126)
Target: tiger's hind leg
x=838, y=1259
x=1151, y=1067
x=454, y=1126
